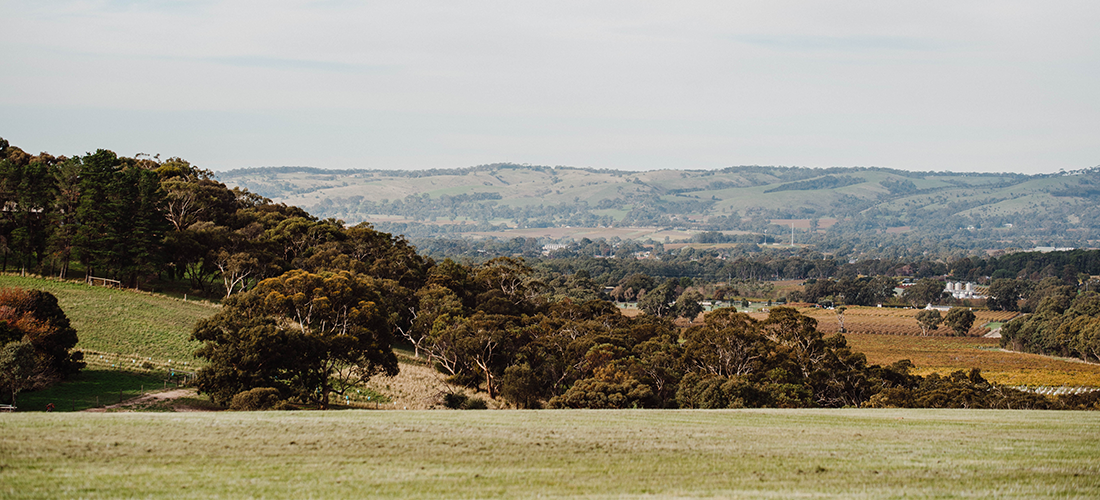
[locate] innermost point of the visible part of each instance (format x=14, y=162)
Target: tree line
x=313, y=307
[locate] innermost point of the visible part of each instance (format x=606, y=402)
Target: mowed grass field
x=849, y=454
x=123, y=327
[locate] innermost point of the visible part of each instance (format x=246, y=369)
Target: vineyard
x=887, y=335
x=944, y=355
x=891, y=321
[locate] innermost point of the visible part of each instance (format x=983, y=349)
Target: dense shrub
x=459, y=401
x=258, y=399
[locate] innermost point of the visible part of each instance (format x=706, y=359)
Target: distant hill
x=997, y=210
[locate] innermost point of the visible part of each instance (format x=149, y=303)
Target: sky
x=983, y=86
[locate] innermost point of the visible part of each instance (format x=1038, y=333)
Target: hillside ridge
x=973, y=209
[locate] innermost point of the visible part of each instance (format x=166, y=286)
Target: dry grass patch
x=415, y=387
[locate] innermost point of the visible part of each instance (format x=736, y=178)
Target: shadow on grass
x=91, y=388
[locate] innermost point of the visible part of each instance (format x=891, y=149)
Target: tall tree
x=337, y=323
x=929, y=320
x=660, y=301
x=1004, y=295
x=960, y=319
x=120, y=220
x=34, y=318
x=18, y=366
x=924, y=292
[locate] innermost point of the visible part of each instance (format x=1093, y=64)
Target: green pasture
x=93, y=388
x=124, y=326
x=555, y=454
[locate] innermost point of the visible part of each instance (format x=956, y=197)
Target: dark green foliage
x=826, y=182
x=18, y=366
x=898, y=186
x=605, y=393
x=924, y=292
x=459, y=401
x=861, y=291
x=312, y=334
x=475, y=404
x=306, y=334
x=960, y=319
x=120, y=223
x=929, y=320
x=1058, y=327
x=688, y=305
x=244, y=353
x=733, y=361
x=1004, y=295
x=521, y=385
x=960, y=390
x=660, y=301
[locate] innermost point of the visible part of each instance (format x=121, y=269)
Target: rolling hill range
x=974, y=209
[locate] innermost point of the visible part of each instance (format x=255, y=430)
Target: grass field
x=124, y=326
x=848, y=454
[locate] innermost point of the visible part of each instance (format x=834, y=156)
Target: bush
x=475, y=404
x=459, y=401
x=260, y=398
x=454, y=400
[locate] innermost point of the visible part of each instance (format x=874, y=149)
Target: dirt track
x=152, y=397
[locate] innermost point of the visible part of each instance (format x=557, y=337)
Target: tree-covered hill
x=864, y=207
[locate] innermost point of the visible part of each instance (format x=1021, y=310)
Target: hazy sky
x=995, y=85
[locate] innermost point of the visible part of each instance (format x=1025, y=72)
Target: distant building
x=552, y=247
x=1052, y=249
x=961, y=290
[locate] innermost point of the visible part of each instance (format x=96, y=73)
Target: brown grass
x=416, y=387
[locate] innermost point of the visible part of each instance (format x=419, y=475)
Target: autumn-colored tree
x=32, y=319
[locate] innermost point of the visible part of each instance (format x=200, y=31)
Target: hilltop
x=969, y=210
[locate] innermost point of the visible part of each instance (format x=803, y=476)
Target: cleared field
x=561, y=454
x=124, y=328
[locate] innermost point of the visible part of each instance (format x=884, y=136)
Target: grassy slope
x=91, y=388
x=566, y=454
x=135, y=325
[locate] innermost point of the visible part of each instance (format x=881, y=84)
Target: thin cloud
x=297, y=64
x=841, y=43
